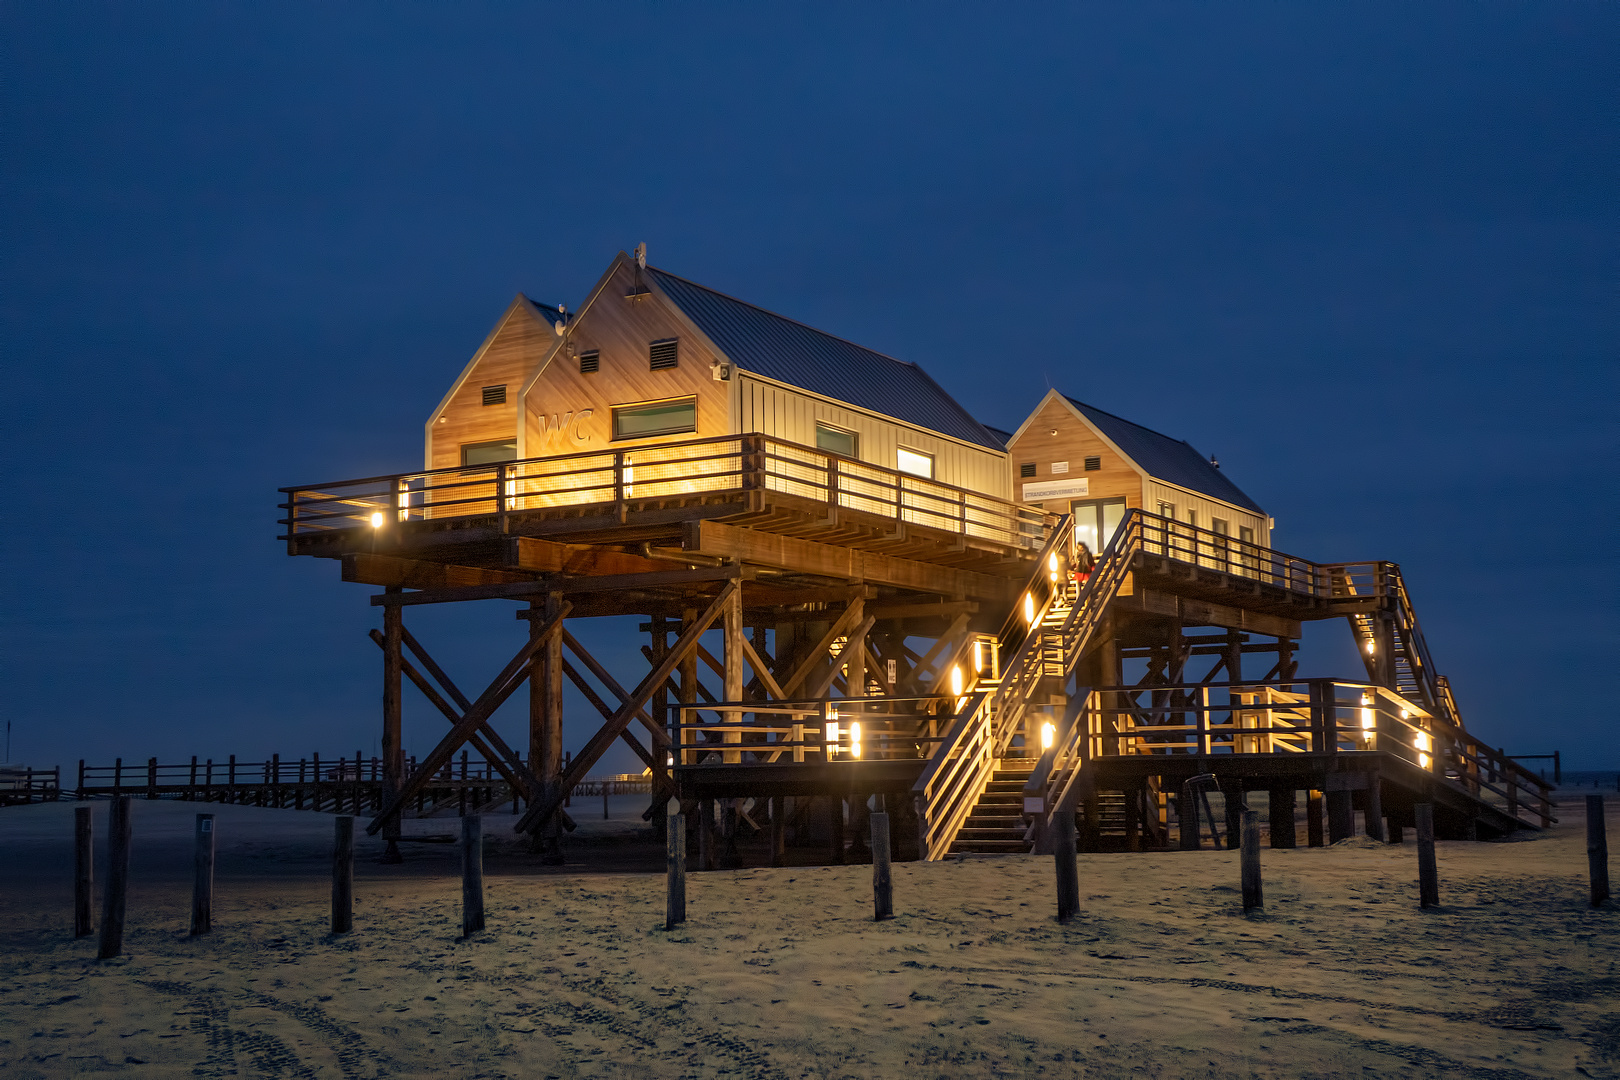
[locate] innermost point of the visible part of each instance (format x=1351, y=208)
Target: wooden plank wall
x=1206, y=509
x=1073, y=443
x=621, y=330
x=772, y=409
x=519, y=343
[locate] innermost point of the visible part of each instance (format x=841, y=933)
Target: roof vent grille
x=590, y=361
x=1093, y=464
x=1026, y=469
x=662, y=355
x=495, y=395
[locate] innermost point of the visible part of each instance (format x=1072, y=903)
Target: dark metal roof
x=790, y=352
x=1004, y=436
x=1167, y=459
x=545, y=311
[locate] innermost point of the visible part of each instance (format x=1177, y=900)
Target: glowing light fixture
x=1029, y=607
x=1051, y=562
x=1048, y=735
x=832, y=738
x=978, y=656
x=956, y=680
x=1423, y=761
x=855, y=750
x=377, y=520
x=1371, y=645
x=1420, y=740
x=1405, y=714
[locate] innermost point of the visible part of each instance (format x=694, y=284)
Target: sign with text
x=1057, y=489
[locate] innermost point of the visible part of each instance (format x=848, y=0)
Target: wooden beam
x=598, y=743
x=827, y=560
x=943, y=610
x=818, y=654
x=649, y=759
x=504, y=685
x=577, y=560
x=660, y=737
x=368, y=569
x=946, y=641
x=526, y=590
x=814, y=688
x=762, y=671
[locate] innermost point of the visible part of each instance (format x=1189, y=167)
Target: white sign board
x=1057, y=489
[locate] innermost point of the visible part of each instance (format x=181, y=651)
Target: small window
x=1245, y=534
x=495, y=395
x=915, y=462
x=835, y=440
x=655, y=418
x=590, y=361
x=1027, y=469
x=1093, y=464
x=1220, y=526
x=1167, y=510
x=488, y=453
x=1192, y=517
x=663, y=355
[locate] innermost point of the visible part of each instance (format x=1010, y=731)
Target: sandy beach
x=782, y=973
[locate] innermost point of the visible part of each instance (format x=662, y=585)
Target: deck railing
x=618, y=482
x=21, y=784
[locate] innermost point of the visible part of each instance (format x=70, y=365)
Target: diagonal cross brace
x=495, y=751
x=818, y=655
x=505, y=684
x=648, y=758
x=588, y=755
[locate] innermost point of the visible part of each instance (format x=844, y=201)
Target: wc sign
x=563, y=431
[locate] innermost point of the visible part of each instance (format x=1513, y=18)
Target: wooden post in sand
x=84, y=874
x=675, y=866
x=472, y=874
x=882, y=882
x=1428, y=875
x=1249, y=860
x=1597, y=849
x=202, y=881
x=1068, y=868
x=343, y=875
x=112, y=906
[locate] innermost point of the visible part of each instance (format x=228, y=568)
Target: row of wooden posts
x=472, y=869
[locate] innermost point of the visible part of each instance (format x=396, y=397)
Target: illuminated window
x=915, y=462
x=1167, y=510
x=488, y=453
x=835, y=440
x=655, y=418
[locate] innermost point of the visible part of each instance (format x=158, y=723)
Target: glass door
x=1095, y=521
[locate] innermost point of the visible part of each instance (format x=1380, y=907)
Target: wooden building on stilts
x=987, y=631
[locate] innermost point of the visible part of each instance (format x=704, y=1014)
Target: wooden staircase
x=997, y=825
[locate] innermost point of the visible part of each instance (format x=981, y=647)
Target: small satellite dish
x=641, y=255
x=558, y=328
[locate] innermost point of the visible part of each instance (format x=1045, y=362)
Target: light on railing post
x=377, y=520
x=1048, y=735
x=831, y=745
x=855, y=740
x=956, y=681
x=1029, y=607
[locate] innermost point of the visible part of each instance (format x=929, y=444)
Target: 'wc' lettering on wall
x=564, y=431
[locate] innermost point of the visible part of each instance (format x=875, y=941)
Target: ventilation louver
x=1026, y=469
x=1093, y=464
x=662, y=355
x=495, y=395
x=589, y=362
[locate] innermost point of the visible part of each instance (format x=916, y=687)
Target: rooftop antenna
x=641, y=256
x=1213, y=462
x=640, y=290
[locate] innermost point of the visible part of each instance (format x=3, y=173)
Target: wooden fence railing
x=621, y=481
x=22, y=784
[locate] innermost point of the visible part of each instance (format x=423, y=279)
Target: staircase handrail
x=1053, y=787
x=954, y=778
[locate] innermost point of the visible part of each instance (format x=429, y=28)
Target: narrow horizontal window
x=1027, y=469
x=662, y=355
x=589, y=362
x=495, y=395
x=1093, y=464
x=655, y=418
x=915, y=462
x=835, y=440
x=1220, y=526
x=488, y=453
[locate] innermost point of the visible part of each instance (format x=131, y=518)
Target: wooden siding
x=518, y=343
x=1207, y=510
x=1074, y=442
x=620, y=330
x=773, y=409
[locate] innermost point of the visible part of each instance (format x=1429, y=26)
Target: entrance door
x=1095, y=521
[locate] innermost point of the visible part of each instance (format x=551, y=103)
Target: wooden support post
x=1236, y=803
x=117, y=889
x=1341, y=816
x=882, y=880
x=1187, y=817
x=342, y=874
x=1313, y=817
x=1067, y=867
x=1428, y=874
x=202, y=876
x=735, y=646
x=1280, y=811
x=1597, y=850
x=472, y=874
x=706, y=852
x=686, y=693
x=674, y=865
x=1133, y=818
x=778, y=832
x=151, y=778
x=545, y=725
x=84, y=875
x=393, y=747
x=835, y=819
x=1372, y=808
x=1253, y=895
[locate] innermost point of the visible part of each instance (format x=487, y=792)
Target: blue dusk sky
x=1362, y=252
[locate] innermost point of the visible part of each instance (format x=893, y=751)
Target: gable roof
x=1164, y=458
x=790, y=352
